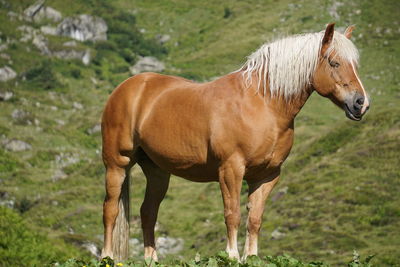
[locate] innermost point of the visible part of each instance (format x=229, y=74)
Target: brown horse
x=238, y=127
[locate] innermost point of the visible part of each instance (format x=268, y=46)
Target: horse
x=237, y=127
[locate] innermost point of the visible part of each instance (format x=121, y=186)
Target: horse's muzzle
x=354, y=107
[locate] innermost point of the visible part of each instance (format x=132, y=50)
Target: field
x=339, y=187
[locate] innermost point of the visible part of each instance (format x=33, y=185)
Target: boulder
x=32, y=10
x=6, y=95
x=83, y=28
x=7, y=73
x=49, y=13
x=147, y=64
x=15, y=145
x=38, y=11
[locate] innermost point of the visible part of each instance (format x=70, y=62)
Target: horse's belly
x=187, y=161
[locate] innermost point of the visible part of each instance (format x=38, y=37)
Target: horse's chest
x=268, y=160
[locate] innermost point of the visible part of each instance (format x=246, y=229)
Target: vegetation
x=220, y=260
x=339, y=187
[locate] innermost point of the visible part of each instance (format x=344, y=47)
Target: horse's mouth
x=350, y=115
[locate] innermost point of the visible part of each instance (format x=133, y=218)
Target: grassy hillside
x=339, y=187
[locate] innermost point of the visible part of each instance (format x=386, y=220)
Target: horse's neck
x=286, y=108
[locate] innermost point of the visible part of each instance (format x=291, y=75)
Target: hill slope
x=339, y=187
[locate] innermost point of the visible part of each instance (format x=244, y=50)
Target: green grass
x=341, y=177
x=221, y=260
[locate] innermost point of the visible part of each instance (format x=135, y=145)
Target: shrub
x=43, y=76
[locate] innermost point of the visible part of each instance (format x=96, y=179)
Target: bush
x=43, y=76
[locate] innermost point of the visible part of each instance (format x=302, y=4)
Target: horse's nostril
x=360, y=101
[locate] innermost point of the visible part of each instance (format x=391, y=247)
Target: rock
x=32, y=10
x=41, y=43
x=5, y=96
x=6, y=200
x=83, y=28
x=48, y=30
x=58, y=175
x=3, y=47
x=22, y=117
x=46, y=12
x=7, y=73
x=70, y=44
x=94, y=129
x=92, y=248
x=27, y=33
x=277, y=234
x=147, y=64
x=64, y=159
x=15, y=145
x=163, y=38
x=169, y=245
x=84, y=56
x=60, y=122
x=77, y=105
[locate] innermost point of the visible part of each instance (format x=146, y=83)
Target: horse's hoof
x=105, y=254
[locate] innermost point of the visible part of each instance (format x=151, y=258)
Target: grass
x=341, y=177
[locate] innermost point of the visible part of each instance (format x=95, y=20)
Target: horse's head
x=336, y=75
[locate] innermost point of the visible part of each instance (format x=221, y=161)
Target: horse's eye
x=334, y=64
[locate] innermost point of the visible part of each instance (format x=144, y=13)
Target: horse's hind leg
x=157, y=186
x=117, y=180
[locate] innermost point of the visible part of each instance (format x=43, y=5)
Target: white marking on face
x=366, y=100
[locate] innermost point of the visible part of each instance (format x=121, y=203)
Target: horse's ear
x=349, y=31
x=328, y=36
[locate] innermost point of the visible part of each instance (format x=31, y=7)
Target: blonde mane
x=288, y=64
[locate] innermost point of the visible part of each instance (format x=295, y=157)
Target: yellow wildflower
x=108, y=265
x=119, y=264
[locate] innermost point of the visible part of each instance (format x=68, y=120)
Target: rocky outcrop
x=41, y=43
x=7, y=73
x=47, y=13
x=38, y=12
x=38, y=40
x=32, y=10
x=147, y=64
x=83, y=28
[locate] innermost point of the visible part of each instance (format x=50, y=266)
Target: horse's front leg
x=258, y=193
x=230, y=180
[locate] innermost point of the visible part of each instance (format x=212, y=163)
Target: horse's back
x=132, y=111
